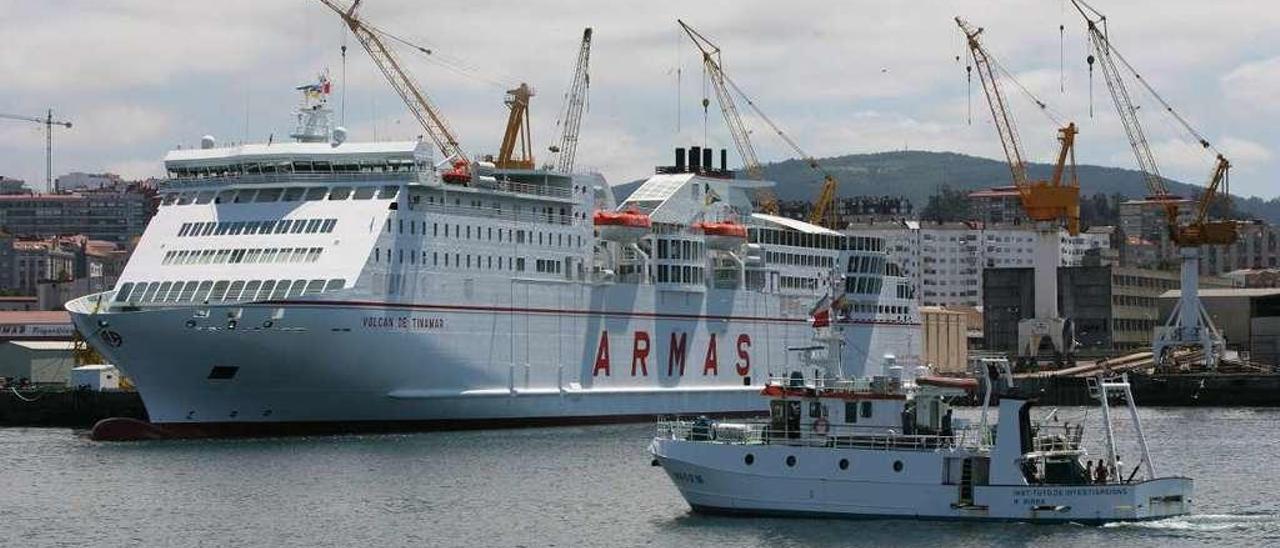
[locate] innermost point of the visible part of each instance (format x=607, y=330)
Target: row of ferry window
x=866, y=264
x=300, y=166
x=799, y=259
x=680, y=274
x=796, y=282
x=236, y=256
x=680, y=250
x=222, y=290
x=880, y=309
x=291, y=194
x=466, y=232
x=479, y=261
x=860, y=284
x=820, y=241
x=249, y=228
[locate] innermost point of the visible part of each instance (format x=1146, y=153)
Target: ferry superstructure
x=324, y=284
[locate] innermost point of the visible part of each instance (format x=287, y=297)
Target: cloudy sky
x=138, y=77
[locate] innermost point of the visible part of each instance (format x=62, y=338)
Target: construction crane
x=737, y=130
x=571, y=115
x=517, y=100
x=48, y=122
x=1050, y=204
x=420, y=105
x=1189, y=326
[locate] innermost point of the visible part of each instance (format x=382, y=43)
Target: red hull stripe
x=551, y=311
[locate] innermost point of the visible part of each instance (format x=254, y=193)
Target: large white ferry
x=327, y=285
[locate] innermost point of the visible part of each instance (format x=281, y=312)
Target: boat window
x=851, y=411
x=297, y=288
x=298, y=255
x=388, y=192
x=219, y=290
x=298, y=226
x=169, y=199
x=141, y=295
x=302, y=167
x=314, y=287
x=321, y=167
x=335, y=284
x=236, y=228
x=245, y=196
x=328, y=225
x=315, y=193
x=265, y=293
x=202, y=293
x=268, y=195
x=237, y=256
x=222, y=197
x=282, y=289
x=252, y=255
x=282, y=226
x=123, y=293
x=293, y=194
x=313, y=254
x=153, y=296
x=250, y=290
x=365, y=192
x=252, y=168
x=313, y=226
x=233, y=292
x=188, y=292
x=340, y=193
x=866, y=409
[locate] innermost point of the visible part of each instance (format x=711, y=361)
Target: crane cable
x=1108, y=49
x=455, y=64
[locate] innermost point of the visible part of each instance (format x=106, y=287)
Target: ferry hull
x=269, y=369
x=715, y=478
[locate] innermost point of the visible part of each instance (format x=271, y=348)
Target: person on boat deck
x=1100, y=475
x=1088, y=470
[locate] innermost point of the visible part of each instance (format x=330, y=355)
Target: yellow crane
x=517, y=131
x=1189, y=326
x=574, y=103
x=1053, y=200
x=764, y=198
x=48, y=122
x=1049, y=203
x=419, y=104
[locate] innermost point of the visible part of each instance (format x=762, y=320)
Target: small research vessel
x=888, y=447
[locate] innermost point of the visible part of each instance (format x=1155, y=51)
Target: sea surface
x=575, y=486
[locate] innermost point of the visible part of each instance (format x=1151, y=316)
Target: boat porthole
x=749, y=459
x=191, y=324
x=791, y=460
x=897, y=466
x=844, y=464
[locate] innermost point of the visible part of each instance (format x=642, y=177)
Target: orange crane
x=1189, y=326
x=48, y=122
x=574, y=102
x=517, y=131
x=764, y=198
x=1049, y=203
x=420, y=105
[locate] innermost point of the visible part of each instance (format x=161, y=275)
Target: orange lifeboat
x=622, y=226
x=724, y=235
x=459, y=174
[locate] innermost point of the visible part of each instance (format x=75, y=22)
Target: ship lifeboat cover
x=724, y=235
x=627, y=225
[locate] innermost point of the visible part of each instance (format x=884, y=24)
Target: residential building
x=856, y=209
x=86, y=181
x=115, y=215
x=998, y=205
x=945, y=261
x=12, y=186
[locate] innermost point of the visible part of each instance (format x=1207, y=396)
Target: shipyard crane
x=737, y=130
x=48, y=122
x=571, y=115
x=420, y=105
x=1189, y=325
x=517, y=100
x=1050, y=204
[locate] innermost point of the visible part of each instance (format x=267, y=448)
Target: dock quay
x=66, y=408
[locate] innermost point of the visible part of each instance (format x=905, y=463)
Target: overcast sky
x=139, y=77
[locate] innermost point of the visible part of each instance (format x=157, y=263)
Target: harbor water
x=578, y=486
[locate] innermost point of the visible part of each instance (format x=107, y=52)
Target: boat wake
x=1206, y=522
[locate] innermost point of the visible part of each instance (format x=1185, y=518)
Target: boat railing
x=762, y=432
x=1058, y=437
x=291, y=177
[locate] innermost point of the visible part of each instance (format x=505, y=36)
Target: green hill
x=918, y=174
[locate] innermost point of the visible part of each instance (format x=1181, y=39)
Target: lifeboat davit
x=725, y=235
x=459, y=174
x=622, y=226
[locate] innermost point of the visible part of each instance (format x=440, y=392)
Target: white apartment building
x=945, y=261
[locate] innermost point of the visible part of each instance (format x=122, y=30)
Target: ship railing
x=1058, y=437
x=762, y=432
x=496, y=213
x=285, y=178
x=532, y=189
